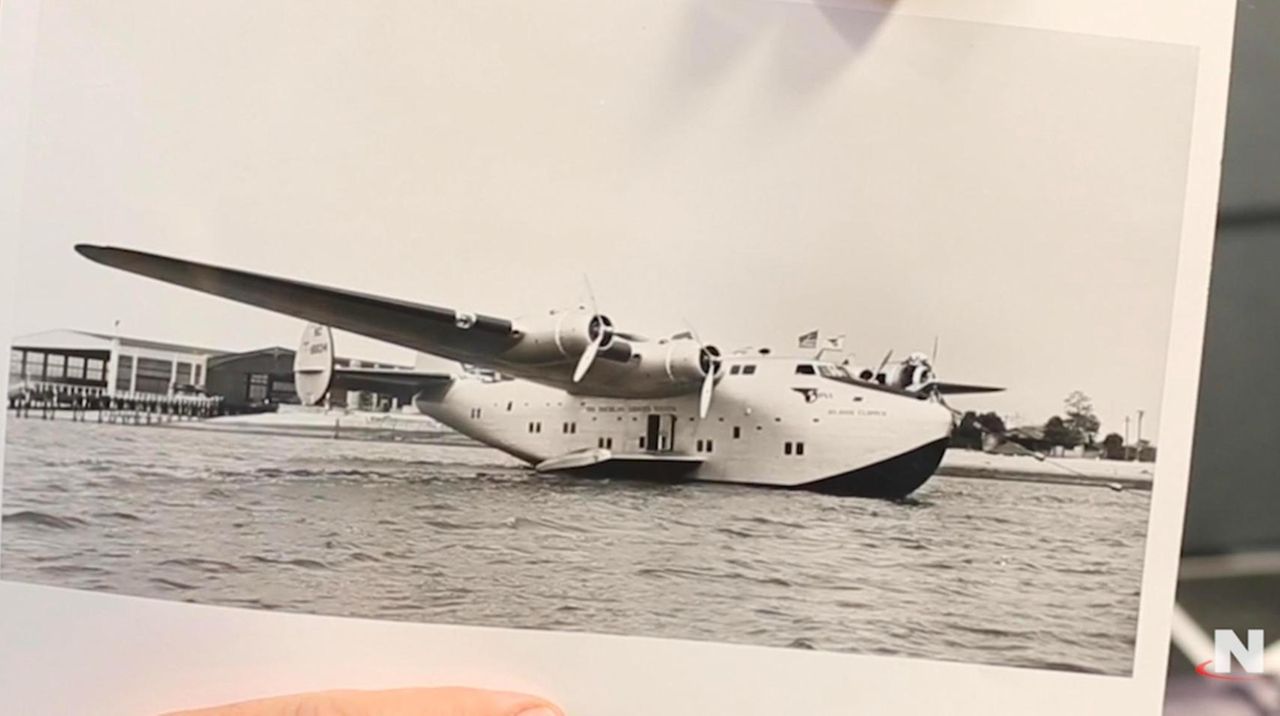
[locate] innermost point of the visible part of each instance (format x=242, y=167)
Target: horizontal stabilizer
x=401, y=384
x=315, y=372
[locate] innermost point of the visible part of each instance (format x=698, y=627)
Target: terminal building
x=96, y=366
x=85, y=368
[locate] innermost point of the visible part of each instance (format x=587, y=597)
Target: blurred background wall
x=1230, y=574
x=1235, y=486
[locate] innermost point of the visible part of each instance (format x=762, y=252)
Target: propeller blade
x=591, y=295
x=884, y=362
x=588, y=357
x=709, y=382
x=704, y=400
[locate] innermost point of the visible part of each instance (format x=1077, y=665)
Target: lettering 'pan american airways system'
x=567, y=392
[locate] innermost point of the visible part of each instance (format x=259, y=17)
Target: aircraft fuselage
x=774, y=421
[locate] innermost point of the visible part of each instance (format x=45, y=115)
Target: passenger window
x=710, y=446
x=786, y=449
x=799, y=448
x=737, y=432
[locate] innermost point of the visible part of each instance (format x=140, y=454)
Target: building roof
x=88, y=340
x=74, y=340
x=280, y=351
x=274, y=351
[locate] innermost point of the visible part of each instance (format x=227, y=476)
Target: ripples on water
x=969, y=570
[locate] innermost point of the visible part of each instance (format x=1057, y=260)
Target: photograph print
x=776, y=324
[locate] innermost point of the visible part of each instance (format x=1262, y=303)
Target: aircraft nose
x=940, y=419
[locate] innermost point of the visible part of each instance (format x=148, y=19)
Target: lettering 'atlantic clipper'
x=567, y=392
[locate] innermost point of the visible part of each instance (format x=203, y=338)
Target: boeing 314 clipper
x=567, y=392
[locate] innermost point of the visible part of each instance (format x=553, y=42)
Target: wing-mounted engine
x=916, y=374
x=316, y=373
x=575, y=335
x=580, y=350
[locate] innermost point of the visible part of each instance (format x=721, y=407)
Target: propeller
x=880, y=370
x=599, y=330
x=709, y=361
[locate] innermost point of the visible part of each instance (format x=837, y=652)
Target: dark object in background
x=1234, y=499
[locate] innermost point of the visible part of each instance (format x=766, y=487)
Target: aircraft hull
x=775, y=429
x=893, y=479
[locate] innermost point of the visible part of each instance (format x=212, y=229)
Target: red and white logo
x=1226, y=646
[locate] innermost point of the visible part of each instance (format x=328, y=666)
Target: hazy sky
x=759, y=168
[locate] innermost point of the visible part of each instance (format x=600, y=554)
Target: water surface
x=970, y=570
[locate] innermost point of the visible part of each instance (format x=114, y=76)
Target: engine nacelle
x=912, y=374
x=564, y=335
x=685, y=361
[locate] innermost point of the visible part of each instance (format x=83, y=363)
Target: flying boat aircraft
x=567, y=392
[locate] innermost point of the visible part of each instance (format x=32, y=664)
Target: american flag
x=809, y=340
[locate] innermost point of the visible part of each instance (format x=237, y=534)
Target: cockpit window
x=804, y=369
x=834, y=372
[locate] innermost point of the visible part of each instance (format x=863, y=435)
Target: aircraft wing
x=431, y=329
x=961, y=389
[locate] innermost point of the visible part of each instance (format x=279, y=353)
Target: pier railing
x=49, y=400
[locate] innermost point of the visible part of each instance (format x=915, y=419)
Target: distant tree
x=1056, y=432
x=966, y=433
x=991, y=423
x=1080, y=418
x=1113, y=447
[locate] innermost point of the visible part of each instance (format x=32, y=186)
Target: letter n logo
x=1226, y=645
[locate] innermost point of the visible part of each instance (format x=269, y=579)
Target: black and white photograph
x=763, y=323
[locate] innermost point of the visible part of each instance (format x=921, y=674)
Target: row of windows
x=750, y=369
x=264, y=387
x=475, y=413
x=37, y=365
x=259, y=387
x=153, y=375
x=706, y=445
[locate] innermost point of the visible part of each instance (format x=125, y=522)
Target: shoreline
x=420, y=429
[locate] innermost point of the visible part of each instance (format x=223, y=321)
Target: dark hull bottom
x=892, y=479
